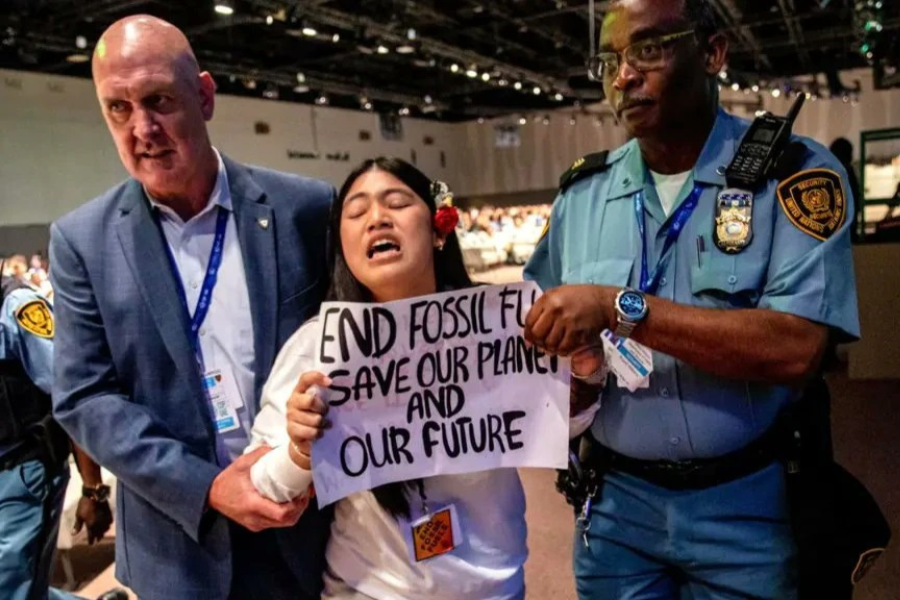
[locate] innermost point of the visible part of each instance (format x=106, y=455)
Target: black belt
x=30, y=450
x=698, y=473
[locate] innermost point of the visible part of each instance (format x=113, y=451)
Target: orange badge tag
x=435, y=534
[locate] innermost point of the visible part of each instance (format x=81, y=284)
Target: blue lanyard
x=650, y=281
x=209, y=282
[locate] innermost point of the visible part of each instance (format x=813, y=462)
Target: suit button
x=663, y=281
x=675, y=440
x=664, y=392
x=732, y=279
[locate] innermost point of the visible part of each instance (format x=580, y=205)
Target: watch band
x=624, y=328
x=97, y=493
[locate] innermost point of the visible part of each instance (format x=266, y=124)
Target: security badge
x=734, y=212
x=814, y=202
x=35, y=317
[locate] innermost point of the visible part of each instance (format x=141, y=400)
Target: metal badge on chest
x=734, y=215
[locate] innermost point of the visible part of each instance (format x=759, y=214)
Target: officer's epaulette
x=586, y=165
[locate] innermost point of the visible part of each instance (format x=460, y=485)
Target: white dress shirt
x=226, y=335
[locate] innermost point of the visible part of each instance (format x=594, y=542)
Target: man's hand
x=570, y=317
x=232, y=494
x=96, y=516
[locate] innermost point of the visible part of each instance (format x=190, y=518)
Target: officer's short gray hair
x=702, y=15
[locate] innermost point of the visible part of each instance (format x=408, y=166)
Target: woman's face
x=387, y=237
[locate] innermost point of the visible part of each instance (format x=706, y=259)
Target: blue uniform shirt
x=28, y=336
x=593, y=239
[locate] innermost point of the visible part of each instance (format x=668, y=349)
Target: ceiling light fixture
x=523, y=121
x=224, y=8
x=471, y=73
x=558, y=97
x=270, y=19
x=485, y=76
x=301, y=88
x=518, y=85
x=336, y=38
x=309, y=31
x=405, y=49
x=382, y=49
x=81, y=42
x=454, y=68
x=536, y=91
x=78, y=58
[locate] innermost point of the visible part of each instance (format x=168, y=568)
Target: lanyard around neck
x=650, y=280
x=209, y=281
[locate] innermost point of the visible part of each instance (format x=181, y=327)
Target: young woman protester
x=397, y=241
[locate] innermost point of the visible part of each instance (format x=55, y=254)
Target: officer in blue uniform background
x=33, y=455
x=717, y=305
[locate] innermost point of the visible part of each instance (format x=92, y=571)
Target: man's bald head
x=141, y=39
x=156, y=103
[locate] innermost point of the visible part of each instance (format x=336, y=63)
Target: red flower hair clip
x=446, y=216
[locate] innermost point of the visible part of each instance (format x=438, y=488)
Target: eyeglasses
x=645, y=55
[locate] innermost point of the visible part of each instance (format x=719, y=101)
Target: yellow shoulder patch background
x=35, y=317
x=814, y=201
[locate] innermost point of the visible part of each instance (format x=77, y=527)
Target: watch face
x=632, y=304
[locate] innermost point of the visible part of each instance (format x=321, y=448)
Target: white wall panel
x=56, y=153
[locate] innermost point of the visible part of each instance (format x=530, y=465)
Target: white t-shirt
x=367, y=551
x=668, y=187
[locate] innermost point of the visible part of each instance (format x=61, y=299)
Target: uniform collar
x=717, y=153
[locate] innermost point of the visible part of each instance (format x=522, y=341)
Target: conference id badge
x=223, y=393
x=631, y=362
x=433, y=534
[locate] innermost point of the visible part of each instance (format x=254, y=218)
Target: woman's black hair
x=449, y=273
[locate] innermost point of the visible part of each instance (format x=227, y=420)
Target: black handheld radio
x=762, y=145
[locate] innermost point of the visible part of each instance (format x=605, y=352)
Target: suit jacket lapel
x=143, y=247
x=256, y=232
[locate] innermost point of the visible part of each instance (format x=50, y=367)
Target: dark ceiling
x=452, y=60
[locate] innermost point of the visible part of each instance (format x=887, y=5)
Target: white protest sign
x=436, y=385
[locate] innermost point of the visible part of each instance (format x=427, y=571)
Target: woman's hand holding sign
x=306, y=413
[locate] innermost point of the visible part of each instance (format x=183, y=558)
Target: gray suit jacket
x=127, y=388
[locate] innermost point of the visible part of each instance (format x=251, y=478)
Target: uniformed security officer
x=715, y=305
x=33, y=454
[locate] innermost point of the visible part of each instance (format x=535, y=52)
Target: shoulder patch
x=36, y=317
x=587, y=165
x=814, y=201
